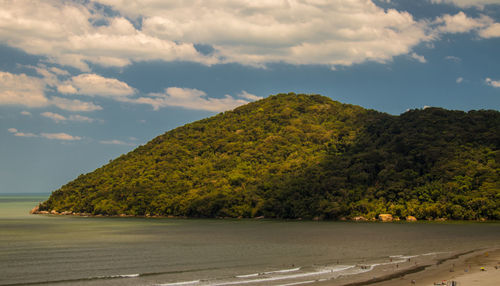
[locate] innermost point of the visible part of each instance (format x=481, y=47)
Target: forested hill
x=291, y=156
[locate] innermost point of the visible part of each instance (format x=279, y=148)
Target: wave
x=269, y=272
x=285, y=277
x=116, y=276
x=303, y=282
x=322, y=273
x=180, y=283
x=78, y=279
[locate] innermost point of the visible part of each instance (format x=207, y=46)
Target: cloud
x=84, y=84
x=461, y=23
x=54, y=116
x=115, y=142
x=25, y=113
x=459, y=80
x=249, y=96
x=21, y=134
x=419, y=58
x=29, y=91
x=493, y=31
x=74, y=105
x=453, y=59
x=253, y=33
x=66, y=88
x=96, y=85
x=20, y=89
x=60, y=136
x=333, y=33
x=69, y=36
x=60, y=118
x=59, y=71
x=484, y=26
x=51, y=136
x=467, y=3
x=190, y=98
x=81, y=118
x=493, y=83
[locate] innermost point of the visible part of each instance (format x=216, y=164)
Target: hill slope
x=294, y=156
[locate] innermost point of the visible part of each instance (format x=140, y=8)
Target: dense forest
x=304, y=156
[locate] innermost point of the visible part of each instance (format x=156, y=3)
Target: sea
x=70, y=250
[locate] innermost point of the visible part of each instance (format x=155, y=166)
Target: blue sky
x=82, y=82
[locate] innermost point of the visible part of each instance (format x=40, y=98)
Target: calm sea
x=66, y=250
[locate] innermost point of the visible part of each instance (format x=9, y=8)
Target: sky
x=82, y=82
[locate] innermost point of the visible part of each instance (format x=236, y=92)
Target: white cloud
x=52, y=136
x=259, y=32
x=249, y=96
x=68, y=37
x=467, y=3
x=493, y=83
x=54, y=116
x=25, y=113
x=29, y=91
x=60, y=136
x=115, y=142
x=49, y=78
x=190, y=98
x=493, y=31
x=21, y=134
x=60, y=118
x=81, y=118
x=84, y=84
x=484, y=26
x=59, y=71
x=459, y=80
x=74, y=105
x=20, y=89
x=96, y=85
x=66, y=88
x=418, y=57
x=461, y=23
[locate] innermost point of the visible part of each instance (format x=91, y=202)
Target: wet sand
x=432, y=269
x=464, y=269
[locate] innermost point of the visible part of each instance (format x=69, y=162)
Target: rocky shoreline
x=381, y=217
x=36, y=210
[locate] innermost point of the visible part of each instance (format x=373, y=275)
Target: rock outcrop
x=35, y=210
x=385, y=217
x=411, y=218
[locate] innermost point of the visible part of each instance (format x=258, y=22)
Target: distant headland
x=297, y=156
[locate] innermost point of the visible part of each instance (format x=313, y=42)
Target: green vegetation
x=291, y=156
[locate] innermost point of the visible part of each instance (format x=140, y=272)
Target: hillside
x=290, y=156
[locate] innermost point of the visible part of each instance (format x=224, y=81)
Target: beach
x=464, y=269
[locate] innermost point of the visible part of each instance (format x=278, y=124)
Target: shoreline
x=463, y=268
x=437, y=220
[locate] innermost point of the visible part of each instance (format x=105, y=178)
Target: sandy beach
x=465, y=270
x=428, y=270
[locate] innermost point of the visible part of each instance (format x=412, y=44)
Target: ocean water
x=67, y=250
